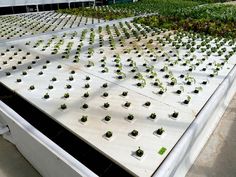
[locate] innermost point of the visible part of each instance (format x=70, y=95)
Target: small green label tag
x=162, y=151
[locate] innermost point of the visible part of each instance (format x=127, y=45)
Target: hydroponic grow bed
x=127, y=90
x=20, y=25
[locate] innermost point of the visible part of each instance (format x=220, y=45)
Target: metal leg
x=12, y=9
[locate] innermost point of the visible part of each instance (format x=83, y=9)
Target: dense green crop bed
x=100, y=13
x=117, y=11
x=224, y=13
x=164, y=7
x=213, y=19
x=205, y=26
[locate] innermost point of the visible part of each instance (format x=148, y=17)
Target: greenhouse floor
x=12, y=163
x=217, y=159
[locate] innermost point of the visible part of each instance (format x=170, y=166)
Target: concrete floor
x=217, y=159
x=12, y=163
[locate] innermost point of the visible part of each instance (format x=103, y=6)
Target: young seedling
x=130, y=117
x=164, y=69
x=86, y=95
x=187, y=100
x=147, y=104
x=138, y=76
x=160, y=131
x=85, y=106
x=218, y=66
x=180, y=90
x=46, y=96
x=169, y=75
x=150, y=69
x=197, y=89
x=90, y=51
x=86, y=86
x=32, y=87
x=14, y=67
x=105, y=94
x=108, y=134
x=153, y=116
x=68, y=86
x=54, y=79
x=215, y=73
x=121, y=75
x=162, y=89
x=124, y=94
x=71, y=78
x=189, y=79
x=192, y=67
x=127, y=104
x=66, y=95
x=105, y=85
x=175, y=114
x=106, y=105
x=173, y=81
x=101, y=51
x=139, y=152
x=40, y=73
x=84, y=119
x=157, y=82
x=63, y=106
x=134, y=133
x=50, y=87
x=107, y=118
x=142, y=84
x=153, y=74
x=90, y=63
x=105, y=70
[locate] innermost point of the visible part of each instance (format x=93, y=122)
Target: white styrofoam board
x=50, y=21
x=190, y=145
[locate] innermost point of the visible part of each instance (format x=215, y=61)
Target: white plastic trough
x=48, y=158
x=38, y=149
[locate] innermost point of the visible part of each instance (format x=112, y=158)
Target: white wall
x=4, y=3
